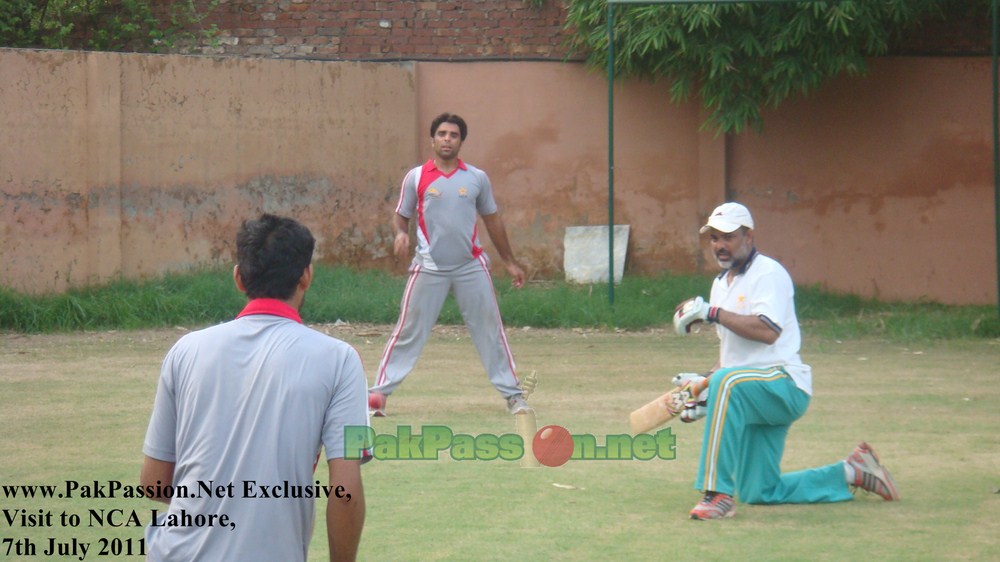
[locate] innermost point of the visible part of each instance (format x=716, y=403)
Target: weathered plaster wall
x=541, y=132
x=133, y=165
x=881, y=185
x=136, y=165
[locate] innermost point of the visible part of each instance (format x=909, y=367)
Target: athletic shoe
x=376, y=404
x=516, y=404
x=714, y=506
x=869, y=474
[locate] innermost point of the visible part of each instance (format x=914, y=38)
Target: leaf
x=743, y=56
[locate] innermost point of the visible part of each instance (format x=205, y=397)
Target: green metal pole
x=611, y=154
x=996, y=149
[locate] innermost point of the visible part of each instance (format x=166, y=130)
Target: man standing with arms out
x=246, y=405
x=759, y=386
x=446, y=196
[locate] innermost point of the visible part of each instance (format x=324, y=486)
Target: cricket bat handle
x=663, y=409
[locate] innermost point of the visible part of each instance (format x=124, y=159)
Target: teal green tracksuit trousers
x=748, y=416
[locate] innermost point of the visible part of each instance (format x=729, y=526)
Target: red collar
x=430, y=165
x=273, y=307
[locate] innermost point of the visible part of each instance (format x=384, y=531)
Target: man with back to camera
x=759, y=385
x=247, y=405
x=446, y=196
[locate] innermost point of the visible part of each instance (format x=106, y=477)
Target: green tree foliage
x=104, y=25
x=743, y=57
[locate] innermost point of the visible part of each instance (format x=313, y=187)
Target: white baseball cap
x=728, y=217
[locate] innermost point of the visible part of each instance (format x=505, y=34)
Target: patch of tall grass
x=339, y=293
x=191, y=299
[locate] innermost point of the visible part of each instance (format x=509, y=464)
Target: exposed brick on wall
x=968, y=33
x=467, y=30
x=388, y=30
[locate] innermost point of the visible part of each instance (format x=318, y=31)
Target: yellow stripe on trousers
x=721, y=400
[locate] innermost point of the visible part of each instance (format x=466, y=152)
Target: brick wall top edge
x=521, y=22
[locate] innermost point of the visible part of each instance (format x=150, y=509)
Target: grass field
x=75, y=407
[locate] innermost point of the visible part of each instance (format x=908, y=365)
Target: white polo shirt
x=251, y=400
x=763, y=288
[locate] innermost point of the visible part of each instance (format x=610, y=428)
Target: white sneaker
x=870, y=475
x=516, y=404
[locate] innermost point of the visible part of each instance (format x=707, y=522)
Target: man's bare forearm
x=345, y=513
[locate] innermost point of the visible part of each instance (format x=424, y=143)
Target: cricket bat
x=663, y=409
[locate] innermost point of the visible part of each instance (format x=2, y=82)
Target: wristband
x=713, y=314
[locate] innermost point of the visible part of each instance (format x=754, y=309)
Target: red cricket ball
x=552, y=445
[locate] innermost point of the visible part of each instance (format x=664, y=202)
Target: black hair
x=273, y=252
x=449, y=118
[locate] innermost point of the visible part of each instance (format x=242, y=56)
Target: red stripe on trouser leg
x=474, y=294
x=394, y=337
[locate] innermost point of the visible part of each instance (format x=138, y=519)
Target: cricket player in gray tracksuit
x=447, y=196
